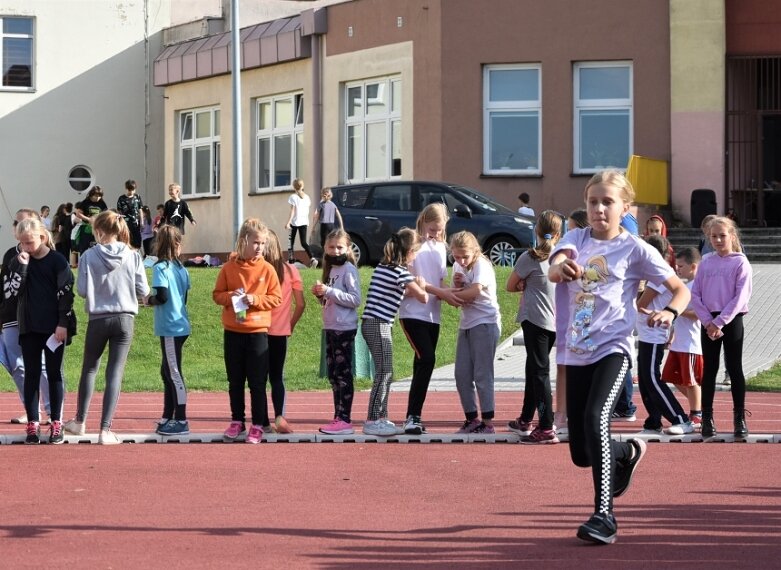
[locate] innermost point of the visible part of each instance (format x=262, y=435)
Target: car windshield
x=481, y=200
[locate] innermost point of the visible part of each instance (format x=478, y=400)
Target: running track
x=363, y=505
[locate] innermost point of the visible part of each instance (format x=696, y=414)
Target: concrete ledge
x=361, y=438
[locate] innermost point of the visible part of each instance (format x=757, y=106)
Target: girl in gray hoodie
x=111, y=280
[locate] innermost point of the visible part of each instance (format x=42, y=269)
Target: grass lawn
x=202, y=356
x=767, y=381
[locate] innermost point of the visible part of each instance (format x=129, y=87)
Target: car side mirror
x=463, y=211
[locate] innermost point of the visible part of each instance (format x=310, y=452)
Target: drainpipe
x=317, y=115
x=314, y=24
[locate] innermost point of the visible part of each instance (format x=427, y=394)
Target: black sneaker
x=33, y=433
x=708, y=429
x=600, y=528
x=414, y=426
x=56, y=436
x=625, y=471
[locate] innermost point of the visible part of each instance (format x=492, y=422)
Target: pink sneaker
x=337, y=426
x=255, y=434
x=235, y=429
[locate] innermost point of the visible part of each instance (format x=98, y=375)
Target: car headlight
x=523, y=221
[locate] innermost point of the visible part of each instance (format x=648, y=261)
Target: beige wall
x=396, y=59
x=215, y=214
x=697, y=75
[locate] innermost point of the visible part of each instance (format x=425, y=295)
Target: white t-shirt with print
x=485, y=307
x=302, y=205
x=600, y=311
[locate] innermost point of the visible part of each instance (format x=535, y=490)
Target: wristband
x=673, y=311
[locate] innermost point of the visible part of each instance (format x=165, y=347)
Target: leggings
x=302, y=231
x=377, y=334
x=32, y=345
x=175, y=392
x=339, y=348
x=117, y=332
x=537, y=392
x=277, y=352
x=591, y=396
x=423, y=337
x=246, y=362
x=733, y=360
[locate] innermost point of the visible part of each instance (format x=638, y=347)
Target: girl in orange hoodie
x=247, y=288
x=656, y=226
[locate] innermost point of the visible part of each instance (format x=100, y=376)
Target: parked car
x=372, y=211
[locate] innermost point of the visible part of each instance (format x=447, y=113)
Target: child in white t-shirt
x=658, y=399
x=684, y=365
x=478, y=331
x=298, y=222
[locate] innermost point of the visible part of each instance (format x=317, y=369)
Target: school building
x=506, y=96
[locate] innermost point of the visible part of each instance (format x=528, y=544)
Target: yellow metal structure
x=650, y=180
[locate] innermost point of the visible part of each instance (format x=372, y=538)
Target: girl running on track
x=602, y=267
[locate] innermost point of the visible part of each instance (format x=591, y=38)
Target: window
x=279, y=141
x=16, y=52
x=512, y=111
x=372, y=129
x=80, y=178
x=199, y=152
x=393, y=198
x=603, y=116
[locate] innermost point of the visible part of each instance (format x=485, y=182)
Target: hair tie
x=395, y=239
x=548, y=236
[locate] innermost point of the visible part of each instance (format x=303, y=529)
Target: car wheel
x=502, y=251
x=359, y=251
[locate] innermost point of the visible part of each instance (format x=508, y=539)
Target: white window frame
x=391, y=119
x=192, y=144
x=294, y=131
x=518, y=106
x=617, y=104
x=3, y=37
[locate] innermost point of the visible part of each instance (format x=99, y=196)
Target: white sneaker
x=74, y=427
x=381, y=427
x=680, y=429
x=108, y=437
x=313, y=263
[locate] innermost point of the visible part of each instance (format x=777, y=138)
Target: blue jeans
x=624, y=405
x=13, y=362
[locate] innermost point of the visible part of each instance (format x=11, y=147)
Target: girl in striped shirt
x=390, y=282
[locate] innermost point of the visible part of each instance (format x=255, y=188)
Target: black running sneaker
x=33, y=432
x=624, y=471
x=600, y=528
x=56, y=436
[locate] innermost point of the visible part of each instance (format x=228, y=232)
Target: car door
x=389, y=208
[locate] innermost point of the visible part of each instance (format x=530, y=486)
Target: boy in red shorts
x=684, y=364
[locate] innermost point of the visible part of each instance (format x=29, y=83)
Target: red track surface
x=375, y=506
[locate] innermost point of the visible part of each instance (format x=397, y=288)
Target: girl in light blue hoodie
x=111, y=280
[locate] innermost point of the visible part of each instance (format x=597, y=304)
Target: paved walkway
x=762, y=347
